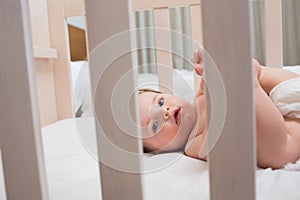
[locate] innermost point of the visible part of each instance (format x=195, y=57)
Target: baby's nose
x=167, y=112
x=163, y=112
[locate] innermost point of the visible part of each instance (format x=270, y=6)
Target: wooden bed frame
x=36, y=90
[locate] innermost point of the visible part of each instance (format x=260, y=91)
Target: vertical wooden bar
x=74, y=8
x=196, y=24
x=45, y=91
x=163, y=56
x=226, y=34
x=61, y=69
x=20, y=135
x=110, y=61
x=273, y=33
x=39, y=21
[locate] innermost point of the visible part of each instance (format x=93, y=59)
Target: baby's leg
x=269, y=77
x=271, y=131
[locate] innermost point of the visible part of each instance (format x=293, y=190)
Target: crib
x=42, y=95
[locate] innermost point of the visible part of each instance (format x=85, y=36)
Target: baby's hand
x=198, y=62
x=199, y=68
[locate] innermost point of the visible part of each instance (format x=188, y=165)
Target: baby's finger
x=196, y=58
x=200, y=54
x=199, y=69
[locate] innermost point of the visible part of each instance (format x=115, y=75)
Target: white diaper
x=286, y=96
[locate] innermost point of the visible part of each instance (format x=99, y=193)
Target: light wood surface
x=102, y=23
x=20, y=135
x=74, y=8
x=163, y=49
x=273, y=33
x=45, y=91
x=196, y=25
x=155, y=4
x=42, y=52
x=232, y=162
x=61, y=65
x=39, y=23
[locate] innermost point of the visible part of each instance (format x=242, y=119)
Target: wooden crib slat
x=196, y=24
x=163, y=48
x=74, y=8
x=273, y=33
x=156, y=4
x=226, y=34
x=102, y=23
x=20, y=135
x=61, y=68
x=39, y=23
x=40, y=52
x=44, y=53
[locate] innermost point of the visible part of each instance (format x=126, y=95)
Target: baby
x=170, y=123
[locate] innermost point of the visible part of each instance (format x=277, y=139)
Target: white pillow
x=82, y=105
x=295, y=69
x=183, y=82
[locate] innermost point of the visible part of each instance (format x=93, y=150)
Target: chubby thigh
x=273, y=139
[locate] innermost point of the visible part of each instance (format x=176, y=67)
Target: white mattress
x=73, y=173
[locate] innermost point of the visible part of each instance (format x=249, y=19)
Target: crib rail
x=273, y=35
x=161, y=12
x=20, y=135
x=74, y=8
x=234, y=151
x=163, y=56
x=157, y=4
x=116, y=181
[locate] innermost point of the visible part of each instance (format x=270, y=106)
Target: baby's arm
x=268, y=77
x=197, y=137
x=193, y=147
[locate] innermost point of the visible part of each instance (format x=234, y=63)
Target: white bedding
x=183, y=86
x=73, y=173
x=183, y=81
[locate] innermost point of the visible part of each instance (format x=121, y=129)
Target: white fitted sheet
x=73, y=173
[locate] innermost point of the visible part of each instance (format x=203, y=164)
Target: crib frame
x=21, y=146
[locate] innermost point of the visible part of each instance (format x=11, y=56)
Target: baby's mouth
x=177, y=115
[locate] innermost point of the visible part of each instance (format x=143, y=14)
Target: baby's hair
x=141, y=91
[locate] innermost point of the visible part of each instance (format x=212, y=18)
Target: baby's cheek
x=169, y=130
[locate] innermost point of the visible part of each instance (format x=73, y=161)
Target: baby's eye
x=154, y=126
x=161, y=102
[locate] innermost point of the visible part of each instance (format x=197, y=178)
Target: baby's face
x=166, y=120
